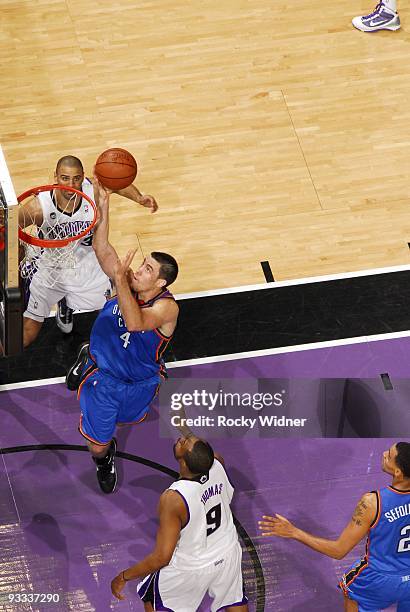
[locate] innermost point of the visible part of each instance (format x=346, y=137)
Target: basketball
x=116, y=168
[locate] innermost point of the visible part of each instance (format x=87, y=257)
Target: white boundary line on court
x=32, y=383
x=235, y=356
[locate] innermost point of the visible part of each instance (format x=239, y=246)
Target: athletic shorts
x=176, y=590
x=375, y=591
x=106, y=401
x=87, y=294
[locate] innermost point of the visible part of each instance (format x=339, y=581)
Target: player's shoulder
x=368, y=505
x=172, y=501
x=369, y=500
x=370, y=497
x=166, y=304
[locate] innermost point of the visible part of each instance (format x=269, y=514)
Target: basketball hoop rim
x=52, y=244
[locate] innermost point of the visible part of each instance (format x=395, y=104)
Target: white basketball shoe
x=382, y=18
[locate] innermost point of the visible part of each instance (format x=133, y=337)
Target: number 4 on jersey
x=126, y=338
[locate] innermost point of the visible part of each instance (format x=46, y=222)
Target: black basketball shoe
x=106, y=471
x=64, y=317
x=73, y=377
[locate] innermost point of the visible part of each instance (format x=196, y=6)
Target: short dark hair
x=200, y=458
x=69, y=160
x=168, y=266
x=403, y=457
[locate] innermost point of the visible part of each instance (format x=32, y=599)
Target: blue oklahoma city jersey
x=129, y=356
x=388, y=547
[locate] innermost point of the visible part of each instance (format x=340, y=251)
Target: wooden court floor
x=267, y=131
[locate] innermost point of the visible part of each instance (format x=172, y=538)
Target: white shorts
x=85, y=293
x=183, y=590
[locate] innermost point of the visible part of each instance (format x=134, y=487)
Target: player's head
x=396, y=460
x=168, y=267
x=156, y=272
x=195, y=454
x=69, y=171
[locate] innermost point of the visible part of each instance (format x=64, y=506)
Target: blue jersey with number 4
x=388, y=545
x=129, y=356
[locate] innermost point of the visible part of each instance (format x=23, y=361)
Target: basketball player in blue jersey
x=86, y=286
x=118, y=375
x=382, y=577
x=197, y=549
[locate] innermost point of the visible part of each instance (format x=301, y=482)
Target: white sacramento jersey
x=210, y=531
x=57, y=225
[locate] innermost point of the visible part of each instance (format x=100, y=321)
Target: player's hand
x=149, y=202
x=117, y=586
x=277, y=526
x=122, y=265
x=101, y=193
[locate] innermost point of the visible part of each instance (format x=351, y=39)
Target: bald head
x=71, y=162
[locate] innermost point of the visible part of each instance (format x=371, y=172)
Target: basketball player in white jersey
x=197, y=549
x=85, y=287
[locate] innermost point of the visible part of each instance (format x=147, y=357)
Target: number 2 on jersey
x=126, y=338
x=213, y=519
x=404, y=543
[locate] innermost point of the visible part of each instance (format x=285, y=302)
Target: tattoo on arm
x=359, y=512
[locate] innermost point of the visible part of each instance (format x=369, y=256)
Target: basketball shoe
x=382, y=18
x=64, y=317
x=106, y=471
x=73, y=377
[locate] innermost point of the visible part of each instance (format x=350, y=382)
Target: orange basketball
x=116, y=168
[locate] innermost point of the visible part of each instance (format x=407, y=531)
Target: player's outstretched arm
x=172, y=517
x=105, y=252
x=359, y=525
x=133, y=193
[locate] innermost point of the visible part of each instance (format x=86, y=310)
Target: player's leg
x=136, y=401
x=367, y=590
x=93, y=291
x=64, y=317
x=104, y=459
x=384, y=17
x=350, y=605
x=173, y=589
x=148, y=607
x=40, y=301
x=31, y=329
x=80, y=367
x=226, y=584
x=99, y=406
x=98, y=451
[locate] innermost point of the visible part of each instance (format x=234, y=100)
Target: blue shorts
x=375, y=591
x=106, y=401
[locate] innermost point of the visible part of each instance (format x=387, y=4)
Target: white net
x=52, y=220
x=51, y=262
